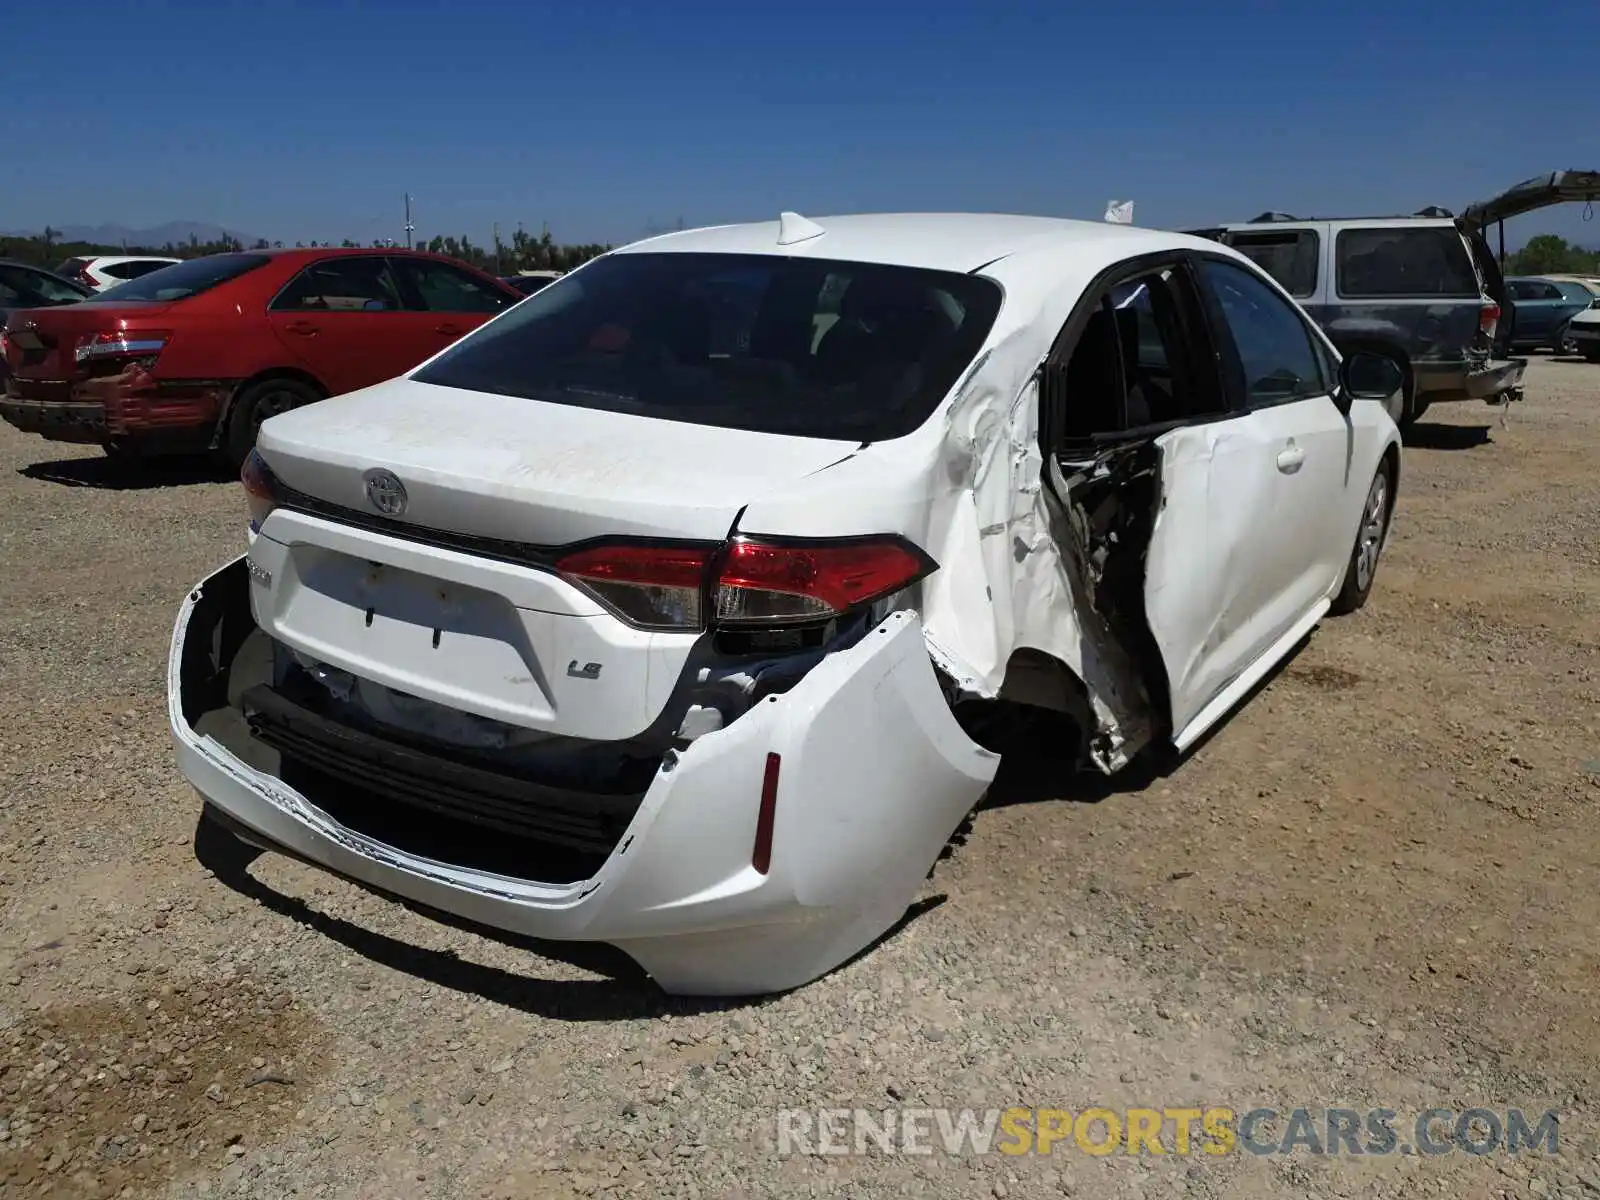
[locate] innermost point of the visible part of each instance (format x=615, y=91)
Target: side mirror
x=1366, y=376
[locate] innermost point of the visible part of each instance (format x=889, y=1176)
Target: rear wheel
x=1362, y=568
x=254, y=405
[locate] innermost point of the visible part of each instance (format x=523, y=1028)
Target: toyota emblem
x=386, y=493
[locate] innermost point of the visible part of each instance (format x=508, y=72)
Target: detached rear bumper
x=872, y=776
x=1439, y=382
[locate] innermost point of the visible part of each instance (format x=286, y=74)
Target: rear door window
x=1427, y=261
x=1288, y=255
x=349, y=284
x=136, y=270
x=1135, y=363
x=440, y=287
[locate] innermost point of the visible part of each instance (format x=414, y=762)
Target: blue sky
x=311, y=120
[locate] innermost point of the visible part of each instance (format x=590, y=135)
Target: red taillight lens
x=261, y=488
x=1489, y=319
x=120, y=344
x=658, y=587
x=87, y=279
x=757, y=583
x=767, y=583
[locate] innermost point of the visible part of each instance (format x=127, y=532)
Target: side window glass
x=1404, y=261
x=1289, y=256
x=341, y=285
x=443, y=288
x=1131, y=365
x=1279, y=359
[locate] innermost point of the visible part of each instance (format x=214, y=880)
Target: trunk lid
x=532, y=472
x=1555, y=187
x=40, y=342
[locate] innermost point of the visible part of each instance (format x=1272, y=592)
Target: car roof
x=936, y=241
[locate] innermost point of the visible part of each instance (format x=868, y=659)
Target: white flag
x=1120, y=212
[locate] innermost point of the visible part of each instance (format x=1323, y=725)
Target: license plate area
x=439, y=639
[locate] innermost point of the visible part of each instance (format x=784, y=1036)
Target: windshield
x=837, y=350
x=184, y=279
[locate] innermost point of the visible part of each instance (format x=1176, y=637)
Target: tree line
x=1548, y=254
x=524, y=252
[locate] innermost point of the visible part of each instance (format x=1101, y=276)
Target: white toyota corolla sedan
x=670, y=608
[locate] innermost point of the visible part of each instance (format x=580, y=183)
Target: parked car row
x=196, y=355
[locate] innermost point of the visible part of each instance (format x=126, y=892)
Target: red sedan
x=195, y=356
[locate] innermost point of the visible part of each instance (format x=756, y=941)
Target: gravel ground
x=1375, y=886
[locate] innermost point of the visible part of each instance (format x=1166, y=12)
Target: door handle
x=1290, y=458
x=303, y=328
x=448, y=330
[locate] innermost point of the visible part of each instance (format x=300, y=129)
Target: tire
x=254, y=405
x=1362, y=567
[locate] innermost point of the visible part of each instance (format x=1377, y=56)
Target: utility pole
x=497, y=247
x=409, y=226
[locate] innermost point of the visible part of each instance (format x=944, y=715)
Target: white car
x=103, y=271
x=1583, y=331
x=657, y=611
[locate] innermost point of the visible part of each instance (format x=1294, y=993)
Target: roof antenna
x=792, y=228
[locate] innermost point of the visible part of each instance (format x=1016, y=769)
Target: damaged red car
x=193, y=357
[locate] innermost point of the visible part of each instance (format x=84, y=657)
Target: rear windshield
x=1289, y=256
x=1431, y=260
x=801, y=346
x=184, y=279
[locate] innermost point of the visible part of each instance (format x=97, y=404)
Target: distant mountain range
x=175, y=232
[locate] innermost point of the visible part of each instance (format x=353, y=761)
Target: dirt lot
x=1377, y=886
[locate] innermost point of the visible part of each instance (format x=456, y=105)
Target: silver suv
x=1424, y=291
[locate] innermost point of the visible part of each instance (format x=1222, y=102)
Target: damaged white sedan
x=670, y=608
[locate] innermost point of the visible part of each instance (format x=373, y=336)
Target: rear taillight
x=262, y=490
x=1488, y=320
x=88, y=280
x=750, y=583
x=659, y=587
x=117, y=344
x=767, y=583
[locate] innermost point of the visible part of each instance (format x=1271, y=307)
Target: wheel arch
x=297, y=374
